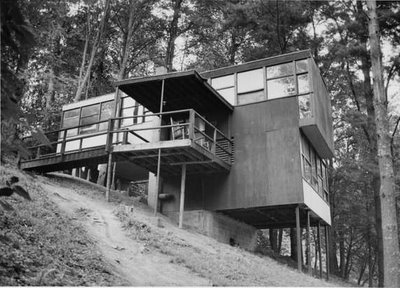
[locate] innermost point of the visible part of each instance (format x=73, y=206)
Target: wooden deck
x=201, y=152
x=58, y=162
x=174, y=153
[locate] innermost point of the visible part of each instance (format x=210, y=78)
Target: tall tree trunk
x=173, y=34
x=368, y=95
x=95, y=47
x=391, y=253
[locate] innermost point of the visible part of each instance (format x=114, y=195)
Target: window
x=314, y=169
x=304, y=106
x=280, y=70
x=303, y=84
x=225, y=86
x=71, y=119
x=281, y=87
x=302, y=66
x=89, y=117
x=251, y=97
x=250, y=86
x=129, y=109
x=106, y=111
x=250, y=81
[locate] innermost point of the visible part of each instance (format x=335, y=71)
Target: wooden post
x=88, y=174
x=113, y=174
x=159, y=150
x=191, y=124
x=327, y=251
x=182, y=198
x=214, y=147
x=298, y=239
x=109, y=172
x=319, y=248
x=308, y=243
x=63, y=144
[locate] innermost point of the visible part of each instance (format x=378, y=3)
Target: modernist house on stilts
x=227, y=151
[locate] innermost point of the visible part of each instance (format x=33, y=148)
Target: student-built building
x=247, y=142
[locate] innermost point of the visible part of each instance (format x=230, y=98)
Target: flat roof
x=182, y=90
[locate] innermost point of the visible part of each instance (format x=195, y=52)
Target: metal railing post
x=191, y=124
x=63, y=143
x=109, y=135
x=214, y=147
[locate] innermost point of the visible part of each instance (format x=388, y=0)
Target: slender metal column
x=298, y=239
x=159, y=151
x=327, y=252
x=308, y=244
x=182, y=200
x=319, y=249
x=109, y=172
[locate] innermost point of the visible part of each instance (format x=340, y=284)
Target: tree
x=387, y=191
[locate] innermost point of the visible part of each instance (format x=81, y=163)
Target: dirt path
x=131, y=259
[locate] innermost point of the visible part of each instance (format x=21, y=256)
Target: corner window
x=314, y=169
x=225, y=86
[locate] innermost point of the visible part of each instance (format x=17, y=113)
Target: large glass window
x=281, y=87
x=314, y=169
x=89, y=117
x=250, y=86
x=250, y=81
x=106, y=111
x=225, y=85
x=71, y=119
x=305, y=106
x=280, y=70
x=129, y=108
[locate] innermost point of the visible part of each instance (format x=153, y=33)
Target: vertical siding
x=267, y=169
x=322, y=106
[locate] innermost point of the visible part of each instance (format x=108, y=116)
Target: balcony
x=182, y=137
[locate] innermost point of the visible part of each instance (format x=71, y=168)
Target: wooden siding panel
x=267, y=169
x=322, y=106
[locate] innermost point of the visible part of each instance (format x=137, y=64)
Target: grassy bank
x=39, y=245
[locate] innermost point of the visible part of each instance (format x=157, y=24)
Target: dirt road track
x=132, y=261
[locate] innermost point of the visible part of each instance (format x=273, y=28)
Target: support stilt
x=157, y=182
x=319, y=249
x=159, y=150
x=109, y=171
x=298, y=239
x=327, y=251
x=308, y=244
x=182, y=198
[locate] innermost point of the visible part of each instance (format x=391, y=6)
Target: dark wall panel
x=267, y=169
x=322, y=106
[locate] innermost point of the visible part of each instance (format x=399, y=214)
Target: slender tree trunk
x=391, y=253
x=95, y=47
x=88, y=32
x=173, y=34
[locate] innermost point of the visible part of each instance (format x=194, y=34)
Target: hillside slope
x=135, y=248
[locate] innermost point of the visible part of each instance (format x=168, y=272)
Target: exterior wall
x=219, y=227
x=322, y=105
x=316, y=203
x=267, y=168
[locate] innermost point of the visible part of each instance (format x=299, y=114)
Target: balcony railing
x=170, y=126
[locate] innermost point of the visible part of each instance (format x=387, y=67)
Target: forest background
x=55, y=52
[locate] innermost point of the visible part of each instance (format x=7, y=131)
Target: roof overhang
x=182, y=90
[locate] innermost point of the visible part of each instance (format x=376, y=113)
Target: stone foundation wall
x=220, y=227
